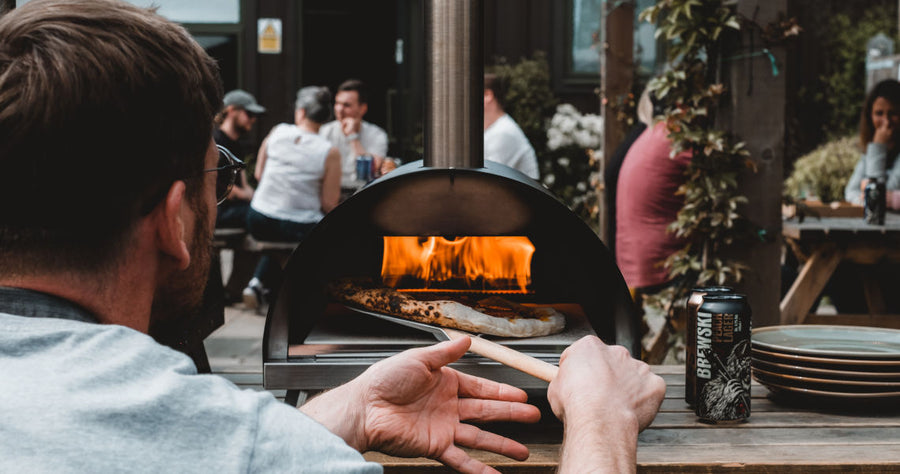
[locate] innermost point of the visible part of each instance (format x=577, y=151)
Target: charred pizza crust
x=507, y=319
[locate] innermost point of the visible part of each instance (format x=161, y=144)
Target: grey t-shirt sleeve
x=289, y=441
x=874, y=151
x=852, y=193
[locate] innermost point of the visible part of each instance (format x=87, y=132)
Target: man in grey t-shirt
x=104, y=240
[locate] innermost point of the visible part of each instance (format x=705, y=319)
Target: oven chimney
x=454, y=84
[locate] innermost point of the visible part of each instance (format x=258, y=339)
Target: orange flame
x=485, y=263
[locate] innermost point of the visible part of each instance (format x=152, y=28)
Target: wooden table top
x=813, y=227
x=779, y=437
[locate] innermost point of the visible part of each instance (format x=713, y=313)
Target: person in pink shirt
x=646, y=204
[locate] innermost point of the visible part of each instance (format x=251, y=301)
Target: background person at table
x=504, y=141
x=236, y=119
x=353, y=136
x=879, y=135
x=299, y=175
x=646, y=203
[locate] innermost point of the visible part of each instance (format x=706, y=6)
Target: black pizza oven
x=312, y=343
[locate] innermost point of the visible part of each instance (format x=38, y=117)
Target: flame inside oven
x=486, y=264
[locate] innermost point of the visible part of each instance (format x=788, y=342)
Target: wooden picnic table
x=822, y=243
x=779, y=437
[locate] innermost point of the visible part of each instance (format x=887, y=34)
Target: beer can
x=364, y=168
x=875, y=202
x=723, y=359
x=690, y=335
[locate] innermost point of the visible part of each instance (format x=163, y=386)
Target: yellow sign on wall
x=268, y=33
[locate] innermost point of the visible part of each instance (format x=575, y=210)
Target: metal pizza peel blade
x=483, y=347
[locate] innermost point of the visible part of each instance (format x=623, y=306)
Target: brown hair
x=497, y=85
x=358, y=86
x=888, y=89
x=103, y=105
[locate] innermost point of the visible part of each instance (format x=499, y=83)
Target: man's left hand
x=413, y=405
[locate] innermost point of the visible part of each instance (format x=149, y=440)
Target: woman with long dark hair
x=879, y=135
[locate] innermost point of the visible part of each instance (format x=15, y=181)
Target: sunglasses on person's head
x=229, y=167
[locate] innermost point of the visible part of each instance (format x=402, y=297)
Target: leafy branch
x=711, y=219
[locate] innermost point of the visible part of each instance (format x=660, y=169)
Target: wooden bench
x=247, y=252
x=240, y=240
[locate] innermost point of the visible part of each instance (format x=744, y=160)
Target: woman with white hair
x=299, y=175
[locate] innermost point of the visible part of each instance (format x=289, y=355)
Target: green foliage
x=824, y=172
x=833, y=102
x=529, y=96
x=710, y=220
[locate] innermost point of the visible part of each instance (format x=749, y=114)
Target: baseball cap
x=244, y=100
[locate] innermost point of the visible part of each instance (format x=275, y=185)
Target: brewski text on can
x=723, y=359
x=690, y=359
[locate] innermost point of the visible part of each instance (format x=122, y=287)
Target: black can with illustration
x=723, y=359
x=691, y=306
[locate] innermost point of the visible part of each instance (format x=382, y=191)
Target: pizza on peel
x=493, y=315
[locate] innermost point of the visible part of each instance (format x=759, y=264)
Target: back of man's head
x=497, y=85
x=358, y=86
x=103, y=106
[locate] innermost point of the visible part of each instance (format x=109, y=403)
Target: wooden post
x=616, y=76
x=755, y=114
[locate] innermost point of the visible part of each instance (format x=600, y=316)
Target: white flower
x=586, y=139
x=581, y=186
x=568, y=125
x=593, y=122
x=549, y=179
x=567, y=109
x=563, y=161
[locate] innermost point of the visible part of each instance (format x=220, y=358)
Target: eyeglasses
x=229, y=166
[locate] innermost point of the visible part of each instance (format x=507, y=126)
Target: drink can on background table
x=723, y=359
x=875, y=202
x=690, y=333
x=364, y=168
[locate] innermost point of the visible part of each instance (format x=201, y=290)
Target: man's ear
x=488, y=96
x=170, y=229
x=363, y=108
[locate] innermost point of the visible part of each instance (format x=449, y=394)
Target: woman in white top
x=299, y=176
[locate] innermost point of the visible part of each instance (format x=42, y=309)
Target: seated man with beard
x=83, y=281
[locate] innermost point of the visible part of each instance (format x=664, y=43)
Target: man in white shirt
x=504, y=141
x=353, y=136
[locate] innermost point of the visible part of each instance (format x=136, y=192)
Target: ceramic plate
x=851, y=342
x=828, y=362
x=776, y=387
x=825, y=373
x=818, y=382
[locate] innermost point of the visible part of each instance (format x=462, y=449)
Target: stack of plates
x=838, y=362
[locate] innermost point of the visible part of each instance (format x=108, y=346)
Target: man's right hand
x=884, y=134
x=604, y=398
x=350, y=125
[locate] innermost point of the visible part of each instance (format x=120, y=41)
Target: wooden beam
x=754, y=113
x=809, y=284
x=616, y=77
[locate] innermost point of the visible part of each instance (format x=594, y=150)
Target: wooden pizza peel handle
x=506, y=356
